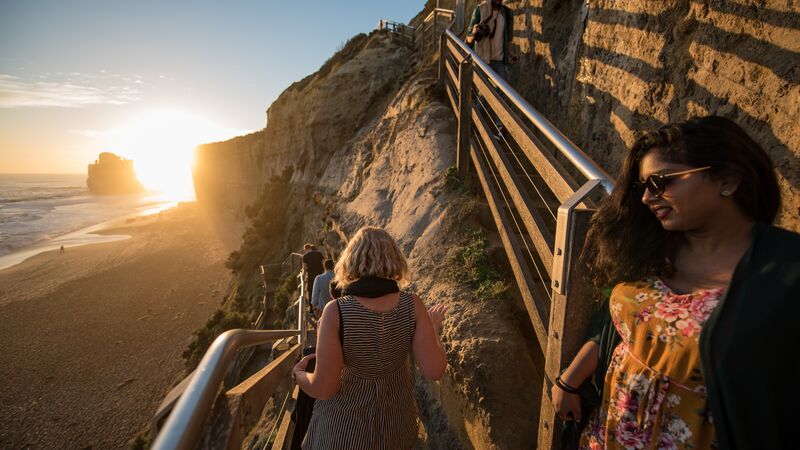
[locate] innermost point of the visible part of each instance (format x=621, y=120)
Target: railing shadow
x=680, y=30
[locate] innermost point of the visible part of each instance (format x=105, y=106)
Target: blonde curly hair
x=371, y=252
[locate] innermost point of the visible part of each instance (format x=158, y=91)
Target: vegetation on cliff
x=268, y=218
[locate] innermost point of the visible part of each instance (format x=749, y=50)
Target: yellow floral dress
x=654, y=397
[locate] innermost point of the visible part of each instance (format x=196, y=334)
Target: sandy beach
x=91, y=338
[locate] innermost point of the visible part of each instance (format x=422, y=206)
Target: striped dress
x=374, y=407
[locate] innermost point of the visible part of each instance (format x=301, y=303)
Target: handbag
x=572, y=429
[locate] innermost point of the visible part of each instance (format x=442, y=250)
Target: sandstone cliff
x=600, y=70
x=369, y=139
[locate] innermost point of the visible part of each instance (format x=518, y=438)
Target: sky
x=149, y=79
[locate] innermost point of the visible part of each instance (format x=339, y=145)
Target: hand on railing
x=302, y=365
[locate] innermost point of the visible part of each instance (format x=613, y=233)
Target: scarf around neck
x=371, y=287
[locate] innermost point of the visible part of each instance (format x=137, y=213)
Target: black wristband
x=565, y=387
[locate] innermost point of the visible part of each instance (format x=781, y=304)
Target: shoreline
x=93, y=234
x=93, y=337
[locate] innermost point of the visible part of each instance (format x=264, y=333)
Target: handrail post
x=570, y=294
x=442, y=53
x=433, y=28
x=301, y=306
x=464, y=117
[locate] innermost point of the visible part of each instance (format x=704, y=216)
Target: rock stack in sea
x=112, y=175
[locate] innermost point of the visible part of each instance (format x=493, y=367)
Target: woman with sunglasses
x=707, y=292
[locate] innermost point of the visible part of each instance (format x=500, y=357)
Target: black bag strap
x=341, y=322
x=494, y=22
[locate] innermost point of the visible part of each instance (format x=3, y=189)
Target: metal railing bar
x=453, y=73
x=521, y=274
x=455, y=51
x=540, y=235
x=527, y=175
x=278, y=418
x=519, y=162
x=575, y=155
x=184, y=424
x=522, y=167
x=439, y=11
x=511, y=209
x=451, y=95
x=556, y=178
x=535, y=188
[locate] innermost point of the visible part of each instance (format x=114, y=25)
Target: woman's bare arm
x=427, y=349
x=568, y=406
x=324, y=382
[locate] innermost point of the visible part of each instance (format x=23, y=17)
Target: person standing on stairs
x=312, y=266
x=705, y=302
x=362, y=380
x=491, y=31
x=320, y=293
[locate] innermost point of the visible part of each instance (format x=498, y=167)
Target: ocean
x=41, y=212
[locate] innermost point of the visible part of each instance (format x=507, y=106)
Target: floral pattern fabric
x=654, y=396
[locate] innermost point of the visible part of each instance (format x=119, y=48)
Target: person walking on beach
x=363, y=380
x=61, y=250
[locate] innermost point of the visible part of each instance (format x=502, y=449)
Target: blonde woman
x=362, y=380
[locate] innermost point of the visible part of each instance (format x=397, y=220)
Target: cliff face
x=601, y=70
x=308, y=122
x=370, y=138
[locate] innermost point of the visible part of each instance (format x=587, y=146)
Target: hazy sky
x=79, y=77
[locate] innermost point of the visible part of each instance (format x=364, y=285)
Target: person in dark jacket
x=692, y=349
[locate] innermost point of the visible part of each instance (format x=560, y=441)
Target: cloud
x=75, y=92
x=89, y=133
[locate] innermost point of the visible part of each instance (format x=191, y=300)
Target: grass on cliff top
x=469, y=263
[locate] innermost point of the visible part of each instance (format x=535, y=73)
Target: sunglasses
x=657, y=183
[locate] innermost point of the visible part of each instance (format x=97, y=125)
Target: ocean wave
x=50, y=194
x=19, y=217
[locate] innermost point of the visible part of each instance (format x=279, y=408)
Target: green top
x=509, y=27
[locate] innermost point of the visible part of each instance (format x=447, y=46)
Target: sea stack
x=112, y=175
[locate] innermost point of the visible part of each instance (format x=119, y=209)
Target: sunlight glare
x=161, y=145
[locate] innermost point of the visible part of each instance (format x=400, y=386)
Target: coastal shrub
x=452, y=183
x=283, y=296
x=268, y=219
x=141, y=441
x=219, y=323
x=469, y=263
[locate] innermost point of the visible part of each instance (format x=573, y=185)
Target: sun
x=161, y=144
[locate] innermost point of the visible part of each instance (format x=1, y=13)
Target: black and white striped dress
x=374, y=407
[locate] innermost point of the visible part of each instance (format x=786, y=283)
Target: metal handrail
x=449, y=12
x=183, y=427
x=581, y=160
x=430, y=23
x=291, y=260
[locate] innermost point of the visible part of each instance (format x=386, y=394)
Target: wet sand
x=91, y=338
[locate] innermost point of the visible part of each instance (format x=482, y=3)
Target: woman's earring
x=725, y=193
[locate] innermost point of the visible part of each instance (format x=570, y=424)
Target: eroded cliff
x=369, y=139
x=603, y=69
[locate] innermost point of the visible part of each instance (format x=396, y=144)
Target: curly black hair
x=626, y=242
